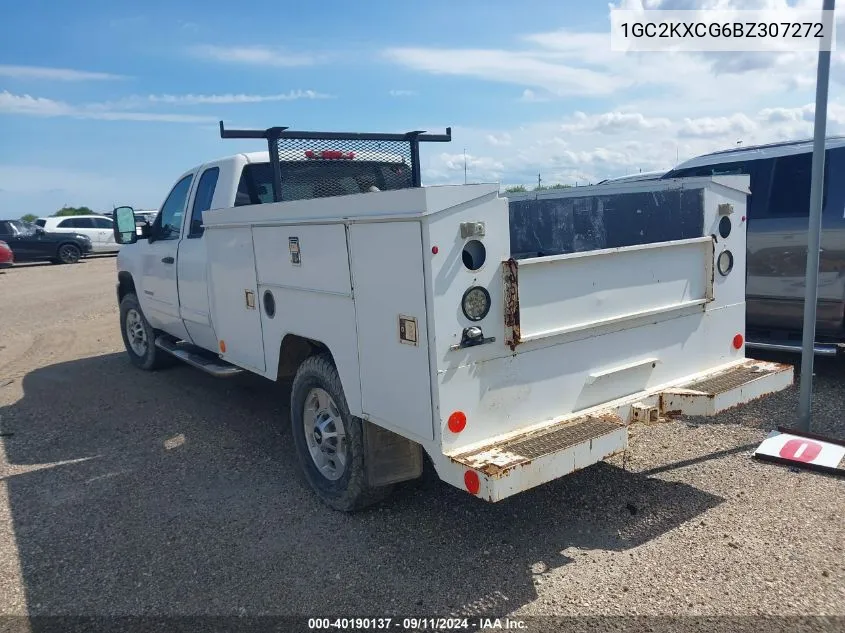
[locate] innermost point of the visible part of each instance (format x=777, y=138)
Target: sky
x=107, y=103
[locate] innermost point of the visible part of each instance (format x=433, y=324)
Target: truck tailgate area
x=518, y=461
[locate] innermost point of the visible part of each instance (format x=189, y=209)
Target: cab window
x=173, y=209
x=202, y=199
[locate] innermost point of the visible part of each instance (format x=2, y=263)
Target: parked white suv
x=97, y=227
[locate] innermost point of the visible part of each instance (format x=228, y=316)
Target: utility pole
x=811, y=290
x=465, y=165
x=539, y=180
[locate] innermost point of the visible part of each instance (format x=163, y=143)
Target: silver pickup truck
x=778, y=213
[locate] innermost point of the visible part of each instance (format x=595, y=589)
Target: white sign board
x=802, y=450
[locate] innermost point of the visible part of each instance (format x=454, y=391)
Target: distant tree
x=554, y=186
x=29, y=217
x=73, y=211
x=515, y=189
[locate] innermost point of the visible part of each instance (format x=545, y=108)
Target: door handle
x=167, y=260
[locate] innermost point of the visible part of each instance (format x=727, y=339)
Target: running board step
x=216, y=367
x=528, y=459
x=724, y=390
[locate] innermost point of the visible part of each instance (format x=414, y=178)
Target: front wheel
x=139, y=336
x=329, y=441
x=69, y=254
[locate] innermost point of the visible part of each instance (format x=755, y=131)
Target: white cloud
x=613, y=122
x=530, y=96
x=39, y=106
x=221, y=99
x=255, y=55
x=499, y=139
x=643, y=111
x=709, y=127
x=520, y=67
x=54, y=74
x=582, y=148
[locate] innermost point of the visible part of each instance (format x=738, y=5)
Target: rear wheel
x=329, y=441
x=139, y=336
x=69, y=254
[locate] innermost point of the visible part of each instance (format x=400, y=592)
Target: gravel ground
x=127, y=492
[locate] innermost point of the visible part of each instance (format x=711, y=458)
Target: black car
x=31, y=243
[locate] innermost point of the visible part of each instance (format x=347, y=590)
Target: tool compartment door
x=390, y=309
x=233, y=295
x=588, y=293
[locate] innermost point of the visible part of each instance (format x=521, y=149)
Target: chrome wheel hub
x=325, y=434
x=136, y=334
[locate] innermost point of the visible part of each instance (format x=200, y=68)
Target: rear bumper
x=511, y=464
x=6, y=264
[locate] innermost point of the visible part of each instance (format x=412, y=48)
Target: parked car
x=778, y=213
x=97, y=227
x=7, y=258
x=32, y=243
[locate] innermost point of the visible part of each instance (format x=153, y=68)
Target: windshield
x=22, y=228
x=320, y=178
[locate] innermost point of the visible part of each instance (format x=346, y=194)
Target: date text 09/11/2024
x=415, y=624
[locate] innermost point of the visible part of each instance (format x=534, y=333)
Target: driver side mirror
x=124, y=225
x=39, y=230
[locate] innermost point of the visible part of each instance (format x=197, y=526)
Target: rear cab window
x=302, y=180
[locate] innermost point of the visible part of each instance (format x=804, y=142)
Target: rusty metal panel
x=510, y=277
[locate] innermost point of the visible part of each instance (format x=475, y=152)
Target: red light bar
x=329, y=154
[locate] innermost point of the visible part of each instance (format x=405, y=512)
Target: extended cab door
x=160, y=299
x=192, y=261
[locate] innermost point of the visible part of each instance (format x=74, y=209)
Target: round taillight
x=738, y=341
x=475, y=303
x=472, y=482
x=435, y=250
x=457, y=421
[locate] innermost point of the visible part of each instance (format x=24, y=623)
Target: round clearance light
x=725, y=227
x=476, y=303
x=725, y=262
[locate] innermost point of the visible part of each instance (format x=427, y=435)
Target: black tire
x=153, y=358
x=69, y=253
x=351, y=491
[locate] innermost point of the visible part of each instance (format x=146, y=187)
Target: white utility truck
x=425, y=320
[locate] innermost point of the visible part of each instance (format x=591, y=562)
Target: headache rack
x=286, y=145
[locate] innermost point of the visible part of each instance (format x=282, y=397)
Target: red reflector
x=472, y=482
x=738, y=341
x=457, y=421
x=435, y=250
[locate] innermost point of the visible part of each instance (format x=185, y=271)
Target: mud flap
x=390, y=457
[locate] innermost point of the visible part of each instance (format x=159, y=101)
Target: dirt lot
x=126, y=492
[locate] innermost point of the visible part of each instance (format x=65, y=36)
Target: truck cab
x=167, y=268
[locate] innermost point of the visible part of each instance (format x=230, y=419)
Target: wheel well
x=294, y=350
x=125, y=284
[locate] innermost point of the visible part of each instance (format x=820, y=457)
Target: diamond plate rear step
x=551, y=452
x=726, y=389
